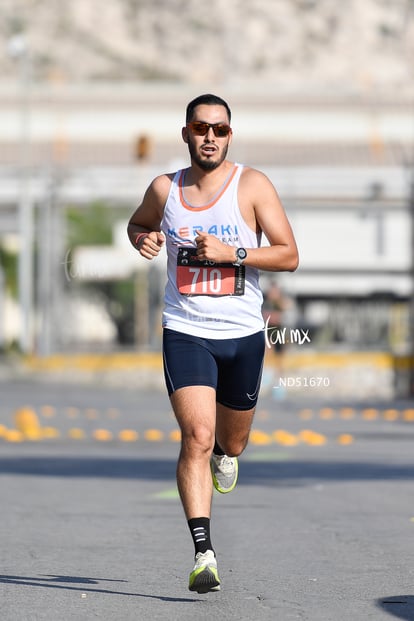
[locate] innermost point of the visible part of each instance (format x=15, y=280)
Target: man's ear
x=184, y=134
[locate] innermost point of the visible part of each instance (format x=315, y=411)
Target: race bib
x=195, y=277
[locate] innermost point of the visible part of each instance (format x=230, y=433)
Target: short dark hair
x=208, y=100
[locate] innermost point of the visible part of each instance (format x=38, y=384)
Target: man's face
x=208, y=151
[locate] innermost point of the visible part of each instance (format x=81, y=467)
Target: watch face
x=241, y=253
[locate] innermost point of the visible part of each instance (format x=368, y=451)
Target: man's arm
x=144, y=226
x=262, y=209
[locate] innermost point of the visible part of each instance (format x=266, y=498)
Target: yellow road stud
x=154, y=435
x=128, y=435
x=102, y=435
x=27, y=422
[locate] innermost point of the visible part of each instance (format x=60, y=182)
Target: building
x=343, y=167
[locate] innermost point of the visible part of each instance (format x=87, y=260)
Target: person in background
x=277, y=307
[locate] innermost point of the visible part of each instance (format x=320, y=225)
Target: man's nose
x=209, y=135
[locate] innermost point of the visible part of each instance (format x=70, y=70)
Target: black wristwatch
x=241, y=254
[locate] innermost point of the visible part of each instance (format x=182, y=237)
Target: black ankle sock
x=200, y=532
x=217, y=450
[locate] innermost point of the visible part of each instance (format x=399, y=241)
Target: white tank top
x=207, y=299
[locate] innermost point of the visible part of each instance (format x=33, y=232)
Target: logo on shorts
x=253, y=397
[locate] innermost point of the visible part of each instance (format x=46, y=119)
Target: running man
x=211, y=216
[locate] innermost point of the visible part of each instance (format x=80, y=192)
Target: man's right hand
x=151, y=244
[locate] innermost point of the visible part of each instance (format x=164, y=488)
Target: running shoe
x=204, y=577
x=224, y=470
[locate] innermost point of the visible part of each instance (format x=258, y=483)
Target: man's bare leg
x=233, y=429
x=195, y=410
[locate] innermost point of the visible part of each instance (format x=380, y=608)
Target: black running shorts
x=233, y=367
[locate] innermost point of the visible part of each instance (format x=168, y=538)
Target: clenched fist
x=150, y=245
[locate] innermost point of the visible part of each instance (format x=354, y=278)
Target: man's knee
x=233, y=447
x=198, y=440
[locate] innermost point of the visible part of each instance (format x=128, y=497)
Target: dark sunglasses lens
x=221, y=130
x=199, y=129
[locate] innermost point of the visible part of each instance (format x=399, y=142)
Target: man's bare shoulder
x=160, y=186
x=252, y=175
x=156, y=194
x=254, y=183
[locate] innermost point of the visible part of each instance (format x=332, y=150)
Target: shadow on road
x=289, y=472
x=64, y=582
x=400, y=606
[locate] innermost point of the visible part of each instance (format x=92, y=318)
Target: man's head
x=207, y=100
x=207, y=131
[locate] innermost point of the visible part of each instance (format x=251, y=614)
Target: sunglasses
x=199, y=128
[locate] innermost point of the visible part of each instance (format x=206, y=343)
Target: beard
x=206, y=164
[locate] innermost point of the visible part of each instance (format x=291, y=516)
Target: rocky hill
x=305, y=45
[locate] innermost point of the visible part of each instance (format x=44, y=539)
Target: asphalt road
x=319, y=528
